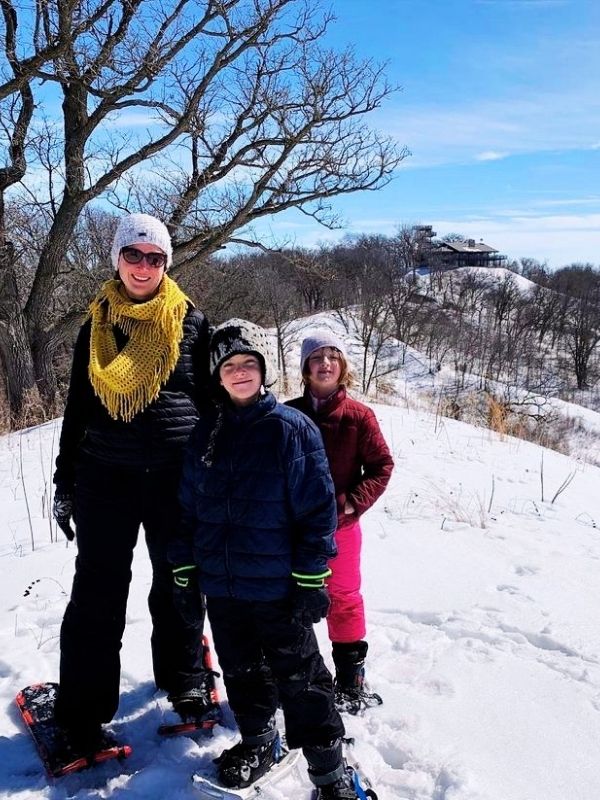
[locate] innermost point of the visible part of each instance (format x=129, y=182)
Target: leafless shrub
x=4, y=408
x=25, y=495
x=32, y=412
x=384, y=389
x=458, y=505
x=585, y=519
x=497, y=415
x=523, y=419
x=564, y=485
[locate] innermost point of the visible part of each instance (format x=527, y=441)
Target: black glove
x=187, y=598
x=311, y=601
x=63, y=511
x=310, y=605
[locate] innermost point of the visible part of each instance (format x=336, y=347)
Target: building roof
x=468, y=246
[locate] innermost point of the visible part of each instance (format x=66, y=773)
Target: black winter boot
x=83, y=738
x=81, y=735
x=249, y=759
x=337, y=785
x=351, y=693
x=197, y=703
x=323, y=759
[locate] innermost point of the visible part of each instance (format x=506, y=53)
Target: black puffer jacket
x=155, y=438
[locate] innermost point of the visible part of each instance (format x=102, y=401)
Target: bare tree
x=582, y=337
x=368, y=323
x=579, y=323
x=547, y=309
x=503, y=297
x=272, y=280
x=223, y=287
x=313, y=275
x=233, y=108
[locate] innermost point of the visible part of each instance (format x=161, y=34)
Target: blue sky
x=500, y=108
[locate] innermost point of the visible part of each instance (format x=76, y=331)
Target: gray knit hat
x=318, y=339
x=240, y=336
x=136, y=228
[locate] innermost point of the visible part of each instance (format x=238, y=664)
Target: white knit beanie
x=318, y=339
x=136, y=228
x=240, y=336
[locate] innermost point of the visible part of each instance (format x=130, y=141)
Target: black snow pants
x=269, y=659
x=110, y=505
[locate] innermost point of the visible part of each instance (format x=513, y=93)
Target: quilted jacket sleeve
x=180, y=550
x=376, y=461
x=201, y=363
x=312, y=500
x=77, y=409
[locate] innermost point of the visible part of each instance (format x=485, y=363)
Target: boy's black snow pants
x=110, y=505
x=268, y=658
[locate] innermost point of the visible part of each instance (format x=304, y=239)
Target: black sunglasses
x=134, y=256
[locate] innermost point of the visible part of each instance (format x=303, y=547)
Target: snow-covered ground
x=494, y=275
x=483, y=613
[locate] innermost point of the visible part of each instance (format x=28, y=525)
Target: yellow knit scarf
x=129, y=380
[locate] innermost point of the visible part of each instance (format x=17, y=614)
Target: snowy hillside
x=494, y=275
x=481, y=581
x=408, y=379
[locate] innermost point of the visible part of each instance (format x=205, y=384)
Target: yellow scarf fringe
x=128, y=381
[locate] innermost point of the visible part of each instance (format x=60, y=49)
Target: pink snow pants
x=346, y=617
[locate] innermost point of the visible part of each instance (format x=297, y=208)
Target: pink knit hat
x=318, y=339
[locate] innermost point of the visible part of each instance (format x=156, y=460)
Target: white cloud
x=490, y=155
x=133, y=119
x=572, y=201
x=450, y=134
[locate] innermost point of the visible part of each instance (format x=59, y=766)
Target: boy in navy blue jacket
x=259, y=516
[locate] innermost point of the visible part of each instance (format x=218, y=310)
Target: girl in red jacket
x=361, y=466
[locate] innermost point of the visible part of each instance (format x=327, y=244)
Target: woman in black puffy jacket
x=138, y=382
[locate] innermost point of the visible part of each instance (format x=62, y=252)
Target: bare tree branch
x=213, y=115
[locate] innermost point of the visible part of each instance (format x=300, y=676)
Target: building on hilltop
x=468, y=253
x=439, y=254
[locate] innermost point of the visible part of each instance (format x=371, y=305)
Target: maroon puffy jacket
x=360, y=461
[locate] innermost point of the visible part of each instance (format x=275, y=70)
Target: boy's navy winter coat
x=263, y=507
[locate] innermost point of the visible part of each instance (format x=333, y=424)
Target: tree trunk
x=42, y=346
x=51, y=257
x=15, y=348
x=42, y=352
